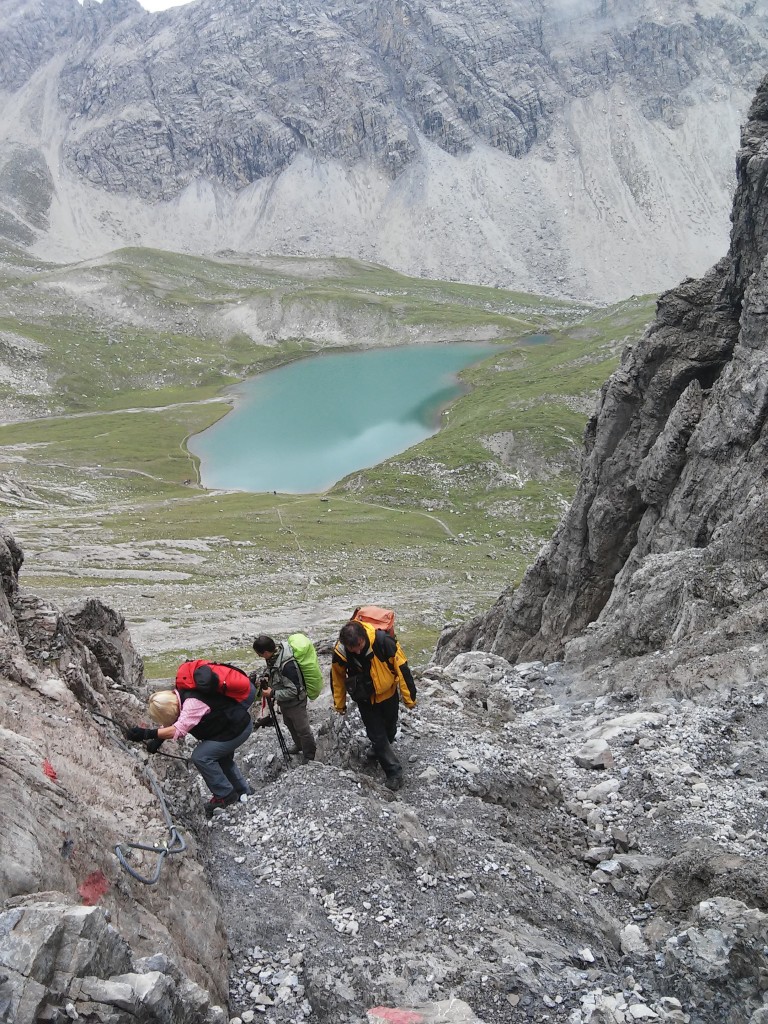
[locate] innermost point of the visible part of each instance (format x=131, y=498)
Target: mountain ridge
x=561, y=148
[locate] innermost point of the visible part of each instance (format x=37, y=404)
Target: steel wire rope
x=176, y=842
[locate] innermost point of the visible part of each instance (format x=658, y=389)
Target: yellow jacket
x=383, y=661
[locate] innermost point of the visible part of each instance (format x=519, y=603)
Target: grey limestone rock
x=72, y=791
x=504, y=876
x=661, y=467
x=55, y=956
x=664, y=543
x=245, y=87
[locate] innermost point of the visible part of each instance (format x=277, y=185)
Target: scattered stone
x=594, y=754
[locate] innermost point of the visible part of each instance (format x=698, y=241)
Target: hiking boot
x=394, y=782
x=217, y=802
x=294, y=749
x=243, y=794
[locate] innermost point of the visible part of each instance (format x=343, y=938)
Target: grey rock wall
x=665, y=544
x=243, y=88
x=64, y=962
x=76, y=926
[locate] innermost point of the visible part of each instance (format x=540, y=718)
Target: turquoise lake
x=300, y=428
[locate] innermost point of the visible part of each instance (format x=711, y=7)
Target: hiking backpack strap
x=286, y=659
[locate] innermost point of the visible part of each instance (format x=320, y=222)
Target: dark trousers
x=380, y=721
x=215, y=760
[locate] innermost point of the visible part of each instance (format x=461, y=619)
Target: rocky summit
x=566, y=147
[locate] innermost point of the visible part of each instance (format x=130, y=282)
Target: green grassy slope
x=135, y=350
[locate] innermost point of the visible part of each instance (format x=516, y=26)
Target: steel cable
x=176, y=843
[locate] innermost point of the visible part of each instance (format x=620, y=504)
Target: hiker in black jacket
x=220, y=723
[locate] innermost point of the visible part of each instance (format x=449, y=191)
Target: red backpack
x=379, y=618
x=233, y=682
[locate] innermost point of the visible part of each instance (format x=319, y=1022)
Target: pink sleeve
x=193, y=711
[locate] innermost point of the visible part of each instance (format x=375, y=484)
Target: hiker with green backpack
x=293, y=675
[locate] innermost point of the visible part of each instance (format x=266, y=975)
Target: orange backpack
x=233, y=682
x=379, y=618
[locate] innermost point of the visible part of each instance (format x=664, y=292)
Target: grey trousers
x=297, y=723
x=215, y=760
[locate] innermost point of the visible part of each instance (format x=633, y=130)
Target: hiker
x=369, y=666
x=284, y=682
x=220, y=724
x=209, y=677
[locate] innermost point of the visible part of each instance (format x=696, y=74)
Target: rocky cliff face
x=662, y=556
x=78, y=934
x=504, y=142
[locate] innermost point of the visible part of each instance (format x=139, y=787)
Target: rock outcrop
x=498, y=143
x=67, y=962
x=662, y=554
x=77, y=929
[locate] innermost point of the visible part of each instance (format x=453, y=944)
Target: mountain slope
x=565, y=147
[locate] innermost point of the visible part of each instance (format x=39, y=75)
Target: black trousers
x=380, y=721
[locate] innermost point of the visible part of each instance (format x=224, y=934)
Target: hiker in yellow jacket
x=369, y=666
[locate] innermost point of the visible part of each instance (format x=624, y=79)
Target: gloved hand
x=137, y=735
x=154, y=745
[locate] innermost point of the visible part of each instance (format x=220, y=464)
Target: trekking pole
x=279, y=731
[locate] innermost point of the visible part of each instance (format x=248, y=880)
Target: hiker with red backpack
x=203, y=704
x=370, y=667
x=284, y=682
x=211, y=677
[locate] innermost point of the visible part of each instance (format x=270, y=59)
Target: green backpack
x=306, y=656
